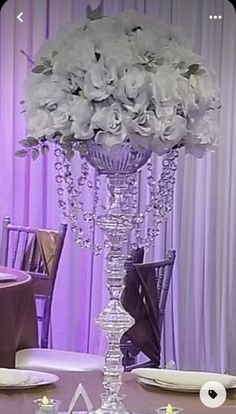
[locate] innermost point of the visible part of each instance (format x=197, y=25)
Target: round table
x=139, y=399
x=18, y=319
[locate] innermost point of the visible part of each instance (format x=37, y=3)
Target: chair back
x=38, y=252
x=163, y=270
x=127, y=348
x=146, y=296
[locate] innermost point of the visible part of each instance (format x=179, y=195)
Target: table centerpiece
x=113, y=90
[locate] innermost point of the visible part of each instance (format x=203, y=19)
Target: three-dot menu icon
x=215, y=17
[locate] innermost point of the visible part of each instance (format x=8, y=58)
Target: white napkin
x=170, y=364
x=4, y=277
x=13, y=377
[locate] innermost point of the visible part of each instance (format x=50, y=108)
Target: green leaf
x=29, y=142
x=46, y=61
x=67, y=137
x=94, y=14
x=34, y=153
x=54, y=53
x=192, y=69
x=38, y=69
x=21, y=153
x=200, y=72
x=180, y=65
x=186, y=75
x=81, y=148
x=24, y=143
x=70, y=155
x=48, y=71
x=32, y=141
x=44, y=149
x=66, y=146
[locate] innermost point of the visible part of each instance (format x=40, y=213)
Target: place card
x=80, y=391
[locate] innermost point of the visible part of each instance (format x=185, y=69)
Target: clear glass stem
x=114, y=320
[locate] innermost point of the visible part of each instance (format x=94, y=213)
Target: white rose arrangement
x=127, y=78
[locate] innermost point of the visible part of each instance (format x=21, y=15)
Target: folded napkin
x=13, y=377
x=4, y=277
x=41, y=252
x=142, y=304
x=47, y=242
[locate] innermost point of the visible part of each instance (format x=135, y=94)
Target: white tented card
x=80, y=391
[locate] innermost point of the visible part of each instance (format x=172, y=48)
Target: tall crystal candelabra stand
x=119, y=165
x=116, y=224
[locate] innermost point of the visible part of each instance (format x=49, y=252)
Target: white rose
x=76, y=57
x=82, y=130
x=43, y=90
x=130, y=84
x=203, y=135
x=108, y=118
x=164, y=86
x=173, y=128
x=144, y=124
x=40, y=123
x=171, y=131
x=147, y=41
x=133, y=90
x=109, y=121
x=99, y=81
x=81, y=112
x=185, y=91
x=205, y=90
x=60, y=119
x=122, y=51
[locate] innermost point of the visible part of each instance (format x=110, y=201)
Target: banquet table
x=139, y=398
x=18, y=320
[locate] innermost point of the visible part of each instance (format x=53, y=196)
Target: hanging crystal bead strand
x=73, y=206
x=160, y=200
x=162, y=195
x=59, y=182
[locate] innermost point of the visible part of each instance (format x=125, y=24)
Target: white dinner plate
x=5, y=277
x=30, y=379
x=171, y=387
x=184, y=379
x=167, y=386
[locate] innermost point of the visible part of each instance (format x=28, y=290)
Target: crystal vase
x=118, y=164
